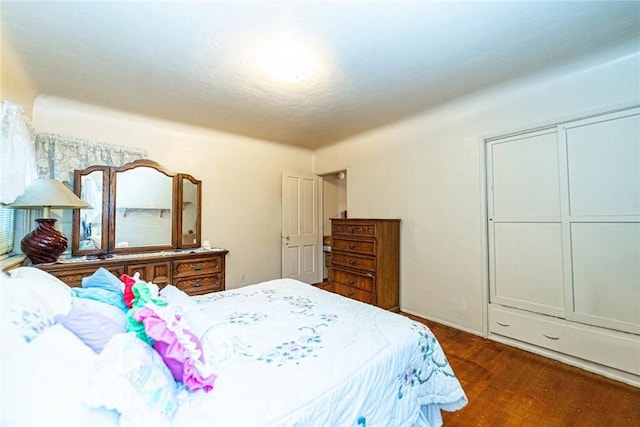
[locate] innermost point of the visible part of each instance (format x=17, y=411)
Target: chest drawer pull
x=503, y=324
x=352, y=282
x=551, y=337
x=352, y=262
x=352, y=246
x=198, y=266
x=197, y=283
x=351, y=293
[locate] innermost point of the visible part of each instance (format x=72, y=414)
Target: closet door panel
x=527, y=267
x=525, y=177
x=606, y=274
x=563, y=231
x=603, y=158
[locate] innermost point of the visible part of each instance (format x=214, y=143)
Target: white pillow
x=178, y=298
x=54, y=291
x=24, y=313
x=186, y=305
x=44, y=382
x=131, y=377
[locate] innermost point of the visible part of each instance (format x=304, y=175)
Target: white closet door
x=606, y=274
x=528, y=267
x=603, y=220
x=604, y=166
x=525, y=232
x=524, y=178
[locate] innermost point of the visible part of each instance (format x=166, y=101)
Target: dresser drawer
x=353, y=293
x=361, y=229
x=607, y=347
x=361, y=246
x=156, y=272
x=73, y=277
x=353, y=261
x=200, y=285
x=198, y=266
x=360, y=281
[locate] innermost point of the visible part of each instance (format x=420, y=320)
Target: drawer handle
x=352, y=282
x=551, y=337
x=351, y=293
x=352, y=262
x=352, y=246
x=503, y=324
x=198, y=266
x=197, y=283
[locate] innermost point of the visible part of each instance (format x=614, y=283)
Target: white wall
x=241, y=177
x=426, y=171
x=15, y=84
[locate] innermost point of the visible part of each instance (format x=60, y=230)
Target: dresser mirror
x=142, y=215
x=138, y=207
x=189, y=214
x=90, y=185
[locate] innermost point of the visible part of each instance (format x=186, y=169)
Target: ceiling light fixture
x=287, y=59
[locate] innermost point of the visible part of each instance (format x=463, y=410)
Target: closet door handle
x=503, y=324
x=551, y=337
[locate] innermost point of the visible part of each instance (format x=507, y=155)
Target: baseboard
x=443, y=322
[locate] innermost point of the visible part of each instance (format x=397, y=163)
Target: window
x=17, y=166
x=6, y=230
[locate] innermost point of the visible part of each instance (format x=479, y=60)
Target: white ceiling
x=192, y=62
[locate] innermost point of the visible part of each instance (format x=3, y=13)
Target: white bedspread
x=289, y=354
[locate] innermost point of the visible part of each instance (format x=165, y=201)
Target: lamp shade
x=46, y=243
x=48, y=193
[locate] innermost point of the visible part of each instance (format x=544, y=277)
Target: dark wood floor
x=511, y=387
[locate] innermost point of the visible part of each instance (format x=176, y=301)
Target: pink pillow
x=180, y=349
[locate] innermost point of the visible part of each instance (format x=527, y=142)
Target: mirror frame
x=112, y=207
x=179, y=211
x=77, y=188
x=109, y=210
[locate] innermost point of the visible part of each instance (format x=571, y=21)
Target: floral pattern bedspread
x=288, y=354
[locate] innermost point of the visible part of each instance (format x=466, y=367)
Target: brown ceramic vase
x=45, y=243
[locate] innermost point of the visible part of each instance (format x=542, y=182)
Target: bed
x=278, y=353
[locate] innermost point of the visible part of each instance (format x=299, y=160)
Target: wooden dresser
x=195, y=272
x=365, y=260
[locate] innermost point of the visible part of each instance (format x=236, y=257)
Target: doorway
x=334, y=205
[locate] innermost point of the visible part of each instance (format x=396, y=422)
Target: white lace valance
x=59, y=155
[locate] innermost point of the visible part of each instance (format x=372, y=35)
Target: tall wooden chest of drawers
x=365, y=260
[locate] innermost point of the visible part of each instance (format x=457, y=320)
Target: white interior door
x=300, y=241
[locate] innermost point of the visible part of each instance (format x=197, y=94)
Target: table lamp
x=46, y=242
